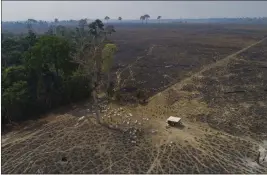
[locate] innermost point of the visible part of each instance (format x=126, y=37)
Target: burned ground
x=237, y=91
x=220, y=98
x=159, y=57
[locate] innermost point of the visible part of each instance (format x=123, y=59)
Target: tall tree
x=107, y=57
x=29, y=40
x=107, y=18
x=142, y=18
x=55, y=26
x=88, y=56
x=82, y=24
x=30, y=22
x=146, y=17
x=158, y=18
x=56, y=21
x=120, y=18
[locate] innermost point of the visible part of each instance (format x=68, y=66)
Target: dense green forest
x=43, y=71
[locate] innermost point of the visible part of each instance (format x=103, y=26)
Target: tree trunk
x=94, y=94
x=108, y=83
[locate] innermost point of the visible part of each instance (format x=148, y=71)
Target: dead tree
x=90, y=48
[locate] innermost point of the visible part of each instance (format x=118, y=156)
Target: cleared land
x=162, y=56
x=210, y=75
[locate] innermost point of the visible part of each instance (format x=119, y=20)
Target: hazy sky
x=48, y=10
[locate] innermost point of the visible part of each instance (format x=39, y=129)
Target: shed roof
x=174, y=119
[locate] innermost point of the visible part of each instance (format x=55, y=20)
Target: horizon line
x=134, y=19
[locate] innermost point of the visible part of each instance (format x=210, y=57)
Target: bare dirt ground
x=222, y=102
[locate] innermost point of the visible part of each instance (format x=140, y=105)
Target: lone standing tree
x=158, y=18
x=95, y=57
x=120, y=18
x=142, y=18
x=107, y=18
x=146, y=17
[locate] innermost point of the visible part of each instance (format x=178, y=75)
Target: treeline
x=41, y=26
x=38, y=26
x=39, y=72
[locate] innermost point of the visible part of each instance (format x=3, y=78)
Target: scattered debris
x=64, y=159
x=154, y=131
x=39, y=171
x=262, y=156
x=133, y=141
x=81, y=118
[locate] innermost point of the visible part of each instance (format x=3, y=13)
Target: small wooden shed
x=174, y=121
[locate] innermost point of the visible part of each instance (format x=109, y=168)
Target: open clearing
x=212, y=76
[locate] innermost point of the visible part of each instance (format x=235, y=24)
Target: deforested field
x=213, y=76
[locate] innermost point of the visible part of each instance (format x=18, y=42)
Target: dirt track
x=221, y=62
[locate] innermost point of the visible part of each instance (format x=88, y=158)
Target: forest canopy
x=43, y=71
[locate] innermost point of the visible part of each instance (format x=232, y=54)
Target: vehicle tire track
x=119, y=72
x=220, y=62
